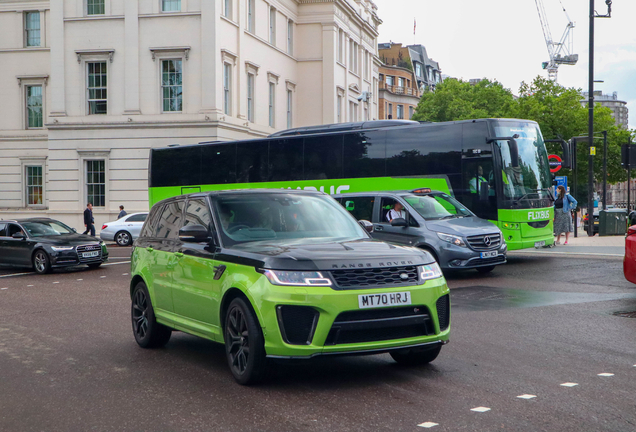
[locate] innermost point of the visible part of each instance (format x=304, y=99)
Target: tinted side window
x=385, y=206
x=364, y=154
x=251, y=161
x=323, y=157
x=286, y=159
x=170, y=221
x=175, y=166
x=12, y=229
x=137, y=218
x=218, y=164
x=197, y=213
x=424, y=150
x=360, y=207
x=149, y=226
x=3, y=232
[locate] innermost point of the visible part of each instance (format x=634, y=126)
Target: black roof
x=339, y=127
x=35, y=219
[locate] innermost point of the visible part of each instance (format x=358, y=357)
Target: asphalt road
x=68, y=361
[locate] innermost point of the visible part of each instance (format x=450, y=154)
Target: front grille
x=375, y=277
x=484, y=261
x=380, y=325
x=484, y=242
x=297, y=323
x=89, y=248
x=443, y=312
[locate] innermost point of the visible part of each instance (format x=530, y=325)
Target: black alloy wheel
x=244, y=345
x=123, y=238
x=147, y=331
x=41, y=262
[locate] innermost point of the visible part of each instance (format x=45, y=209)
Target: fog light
x=456, y=263
x=509, y=237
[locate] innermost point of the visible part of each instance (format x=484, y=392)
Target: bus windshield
x=278, y=218
x=531, y=179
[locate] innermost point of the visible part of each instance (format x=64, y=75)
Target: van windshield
x=279, y=217
x=439, y=206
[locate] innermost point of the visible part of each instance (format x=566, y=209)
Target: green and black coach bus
x=498, y=168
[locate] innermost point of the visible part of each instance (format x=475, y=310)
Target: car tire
x=147, y=331
x=484, y=270
x=94, y=266
x=123, y=238
x=41, y=262
x=415, y=357
x=242, y=331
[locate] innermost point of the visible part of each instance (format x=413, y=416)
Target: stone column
x=131, y=57
x=211, y=68
x=329, y=55
x=58, y=96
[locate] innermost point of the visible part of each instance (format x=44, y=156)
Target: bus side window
x=323, y=157
x=251, y=162
x=218, y=164
x=286, y=159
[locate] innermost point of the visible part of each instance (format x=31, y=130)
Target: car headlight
x=456, y=240
x=430, y=271
x=62, y=248
x=296, y=278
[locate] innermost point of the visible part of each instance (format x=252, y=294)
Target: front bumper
x=71, y=258
x=456, y=257
x=329, y=304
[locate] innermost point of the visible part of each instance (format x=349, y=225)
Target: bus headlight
x=452, y=239
x=297, y=278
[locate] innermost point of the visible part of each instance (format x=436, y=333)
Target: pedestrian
x=89, y=220
x=122, y=212
x=563, y=207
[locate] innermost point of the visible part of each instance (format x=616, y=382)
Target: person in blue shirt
x=122, y=212
x=563, y=206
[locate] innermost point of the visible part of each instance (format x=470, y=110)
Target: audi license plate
x=90, y=254
x=539, y=243
x=385, y=299
x=492, y=254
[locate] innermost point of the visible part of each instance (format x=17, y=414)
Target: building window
x=353, y=111
x=250, y=97
x=34, y=185
x=170, y=5
x=339, y=109
x=389, y=80
x=272, y=104
x=251, y=8
x=400, y=112
x=366, y=64
x=272, y=26
x=353, y=57
x=390, y=111
x=96, y=182
x=95, y=7
x=411, y=112
x=418, y=69
x=289, y=109
x=400, y=82
x=97, y=88
x=34, y=106
x=172, y=85
x=32, y=29
x=290, y=37
x=341, y=46
x=227, y=9
x=227, y=88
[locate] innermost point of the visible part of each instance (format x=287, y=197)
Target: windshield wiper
x=516, y=201
x=448, y=216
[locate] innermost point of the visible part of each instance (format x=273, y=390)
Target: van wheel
x=484, y=270
x=148, y=332
x=416, y=357
x=244, y=343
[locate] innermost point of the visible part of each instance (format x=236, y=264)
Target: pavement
x=583, y=245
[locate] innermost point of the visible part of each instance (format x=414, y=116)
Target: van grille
x=376, y=277
x=484, y=242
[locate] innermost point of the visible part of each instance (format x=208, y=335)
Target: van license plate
x=90, y=254
x=384, y=299
x=492, y=254
x=539, y=243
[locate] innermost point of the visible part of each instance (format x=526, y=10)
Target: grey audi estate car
x=433, y=221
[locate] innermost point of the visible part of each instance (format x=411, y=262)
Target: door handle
x=178, y=254
x=149, y=249
x=379, y=228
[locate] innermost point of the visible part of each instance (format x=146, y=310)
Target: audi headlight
x=62, y=248
x=297, y=278
x=430, y=271
x=452, y=239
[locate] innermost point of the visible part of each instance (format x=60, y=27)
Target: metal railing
x=399, y=90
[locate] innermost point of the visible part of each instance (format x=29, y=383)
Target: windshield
x=46, y=228
x=531, y=179
x=442, y=206
x=280, y=217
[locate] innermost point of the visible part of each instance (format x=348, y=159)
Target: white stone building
x=87, y=87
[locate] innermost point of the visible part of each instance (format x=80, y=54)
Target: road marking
x=567, y=253
x=80, y=279
x=55, y=282
x=29, y=285
x=16, y=274
x=480, y=409
x=3, y=288
x=124, y=262
x=569, y=384
x=102, y=277
x=124, y=274
x=527, y=396
x=427, y=424
x=110, y=258
x=605, y=374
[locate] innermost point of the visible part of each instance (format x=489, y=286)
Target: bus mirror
x=514, y=152
x=399, y=222
x=368, y=226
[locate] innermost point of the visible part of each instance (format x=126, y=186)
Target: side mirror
x=18, y=235
x=194, y=234
x=399, y=222
x=368, y=226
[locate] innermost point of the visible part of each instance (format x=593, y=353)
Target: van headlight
x=430, y=271
x=297, y=278
x=452, y=239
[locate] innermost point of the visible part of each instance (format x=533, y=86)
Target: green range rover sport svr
x=281, y=274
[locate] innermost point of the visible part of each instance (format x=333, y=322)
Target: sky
x=503, y=40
